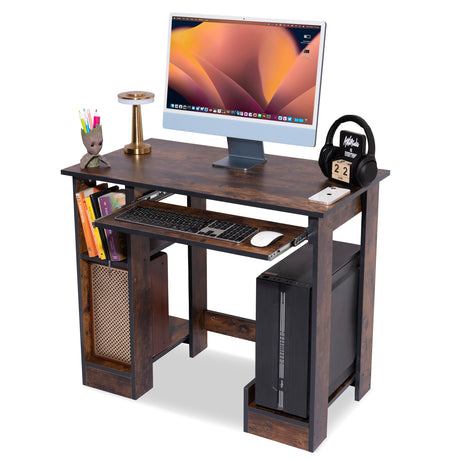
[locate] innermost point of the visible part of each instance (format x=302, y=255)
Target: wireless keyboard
x=211, y=228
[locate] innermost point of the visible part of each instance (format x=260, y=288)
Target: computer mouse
x=265, y=238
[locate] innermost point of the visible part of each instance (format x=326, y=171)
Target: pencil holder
x=93, y=143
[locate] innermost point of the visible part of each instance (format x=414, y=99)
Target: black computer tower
x=283, y=311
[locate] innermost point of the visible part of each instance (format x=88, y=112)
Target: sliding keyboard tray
x=292, y=235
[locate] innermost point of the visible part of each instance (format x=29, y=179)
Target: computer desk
x=282, y=184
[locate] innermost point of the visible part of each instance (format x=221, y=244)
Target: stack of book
x=95, y=202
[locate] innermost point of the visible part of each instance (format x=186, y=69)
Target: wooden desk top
x=282, y=183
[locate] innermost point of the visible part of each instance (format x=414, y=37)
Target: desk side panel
x=366, y=291
x=198, y=296
x=141, y=314
x=320, y=329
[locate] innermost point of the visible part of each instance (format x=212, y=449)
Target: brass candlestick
x=136, y=99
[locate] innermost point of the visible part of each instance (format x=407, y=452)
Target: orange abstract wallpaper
x=245, y=67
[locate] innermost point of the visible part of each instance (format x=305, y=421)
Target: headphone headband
x=359, y=121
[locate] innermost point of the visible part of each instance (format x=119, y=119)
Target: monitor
x=250, y=80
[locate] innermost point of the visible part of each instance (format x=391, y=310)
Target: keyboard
x=211, y=228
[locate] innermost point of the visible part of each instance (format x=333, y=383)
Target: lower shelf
x=276, y=425
x=115, y=377
x=178, y=333
x=270, y=424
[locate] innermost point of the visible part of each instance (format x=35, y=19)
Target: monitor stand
x=242, y=154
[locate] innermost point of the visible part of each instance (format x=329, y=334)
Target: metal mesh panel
x=111, y=313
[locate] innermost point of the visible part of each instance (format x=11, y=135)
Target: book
x=115, y=240
x=85, y=218
x=97, y=213
x=96, y=232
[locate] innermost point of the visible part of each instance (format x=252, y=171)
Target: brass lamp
x=136, y=99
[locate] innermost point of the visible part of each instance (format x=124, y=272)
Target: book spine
x=85, y=223
x=121, y=244
x=106, y=208
x=95, y=230
x=97, y=213
x=118, y=201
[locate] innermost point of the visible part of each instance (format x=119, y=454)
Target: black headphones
x=360, y=169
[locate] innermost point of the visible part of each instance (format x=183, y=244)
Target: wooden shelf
x=279, y=426
x=155, y=247
x=292, y=235
x=96, y=260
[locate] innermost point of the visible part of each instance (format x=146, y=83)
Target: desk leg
x=321, y=238
x=197, y=279
x=140, y=289
x=370, y=201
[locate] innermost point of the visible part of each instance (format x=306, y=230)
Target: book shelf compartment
x=130, y=194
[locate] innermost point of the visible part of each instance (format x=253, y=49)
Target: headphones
x=348, y=167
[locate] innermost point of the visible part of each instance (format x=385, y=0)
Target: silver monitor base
x=243, y=154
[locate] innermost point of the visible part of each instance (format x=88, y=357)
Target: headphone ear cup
x=366, y=171
x=325, y=157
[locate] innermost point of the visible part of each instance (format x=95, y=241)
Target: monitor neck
x=242, y=154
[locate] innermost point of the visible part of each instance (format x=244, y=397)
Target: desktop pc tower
x=283, y=310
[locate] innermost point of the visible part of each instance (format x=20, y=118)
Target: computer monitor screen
x=249, y=79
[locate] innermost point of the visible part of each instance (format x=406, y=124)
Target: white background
x=395, y=63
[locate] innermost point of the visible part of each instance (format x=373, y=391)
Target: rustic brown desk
x=282, y=184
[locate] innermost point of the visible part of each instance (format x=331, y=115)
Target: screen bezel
x=246, y=128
